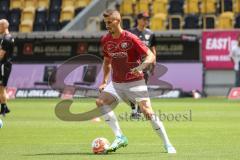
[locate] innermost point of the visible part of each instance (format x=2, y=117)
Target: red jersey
x=125, y=52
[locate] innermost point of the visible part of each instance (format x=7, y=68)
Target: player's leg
x=145, y=106
x=4, y=75
x=107, y=99
x=3, y=100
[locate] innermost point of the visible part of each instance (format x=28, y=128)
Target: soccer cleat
x=117, y=143
x=135, y=115
x=4, y=110
x=170, y=149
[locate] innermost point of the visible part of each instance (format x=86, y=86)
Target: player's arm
x=2, y=53
x=150, y=58
x=106, y=72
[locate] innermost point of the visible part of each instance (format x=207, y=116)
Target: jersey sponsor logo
x=117, y=54
x=110, y=47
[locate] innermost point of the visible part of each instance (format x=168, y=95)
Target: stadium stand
x=40, y=15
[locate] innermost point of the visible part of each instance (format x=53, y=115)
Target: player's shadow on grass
x=89, y=153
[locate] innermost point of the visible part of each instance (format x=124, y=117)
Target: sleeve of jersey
x=7, y=44
x=140, y=47
x=103, y=49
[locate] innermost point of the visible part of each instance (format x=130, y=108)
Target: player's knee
x=99, y=102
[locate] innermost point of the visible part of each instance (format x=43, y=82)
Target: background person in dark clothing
x=148, y=38
x=6, y=51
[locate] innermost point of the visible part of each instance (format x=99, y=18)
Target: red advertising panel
x=216, y=48
x=234, y=93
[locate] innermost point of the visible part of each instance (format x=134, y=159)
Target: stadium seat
x=226, y=5
x=236, y=6
x=158, y=22
x=127, y=22
x=191, y=7
x=53, y=21
x=142, y=6
x=49, y=72
x=237, y=21
x=30, y=4
x=14, y=19
x=80, y=5
x=88, y=76
x=26, y=26
x=176, y=7
x=226, y=20
x=3, y=15
x=191, y=21
x=55, y=5
x=28, y=14
x=209, y=21
x=159, y=6
x=40, y=20
x=16, y=4
x=175, y=22
x=43, y=4
x=127, y=7
x=68, y=3
x=208, y=6
x=4, y=6
x=67, y=13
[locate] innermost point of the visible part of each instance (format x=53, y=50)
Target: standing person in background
x=148, y=38
x=6, y=51
x=235, y=55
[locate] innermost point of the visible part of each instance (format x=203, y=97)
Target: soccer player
x=6, y=51
x=122, y=54
x=148, y=38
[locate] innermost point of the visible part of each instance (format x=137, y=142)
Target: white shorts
x=135, y=91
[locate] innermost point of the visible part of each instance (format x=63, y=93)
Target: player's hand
x=136, y=71
x=102, y=86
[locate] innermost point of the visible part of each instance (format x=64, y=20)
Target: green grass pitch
x=208, y=129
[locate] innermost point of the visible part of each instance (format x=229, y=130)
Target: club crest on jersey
x=125, y=45
x=147, y=36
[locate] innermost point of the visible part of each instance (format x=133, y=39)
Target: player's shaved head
x=4, y=23
x=113, y=14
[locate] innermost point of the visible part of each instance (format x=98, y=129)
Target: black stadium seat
x=40, y=20
x=14, y=19
x=53, y=21
x=191, y=21
x=237, y=21
x=4, y=5
x=176, y=7
x=55, y=5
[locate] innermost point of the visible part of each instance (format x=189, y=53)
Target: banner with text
x=216, y=48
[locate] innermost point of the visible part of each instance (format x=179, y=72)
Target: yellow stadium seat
x=160, y=6
x=26, y=26
x=143, y=6
x=43, y=4
x=127, y=7
x=158, y=22
x=191, y=6
x=175, y=22
x=67, y=14
x=226, y=20
x=81, y=3
x=208, y=6
x=30, y=3
x=236, y=6
x=68, y=3
x=16, y=4
x=28, y=14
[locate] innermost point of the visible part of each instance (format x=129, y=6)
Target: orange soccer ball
x=99, y=145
